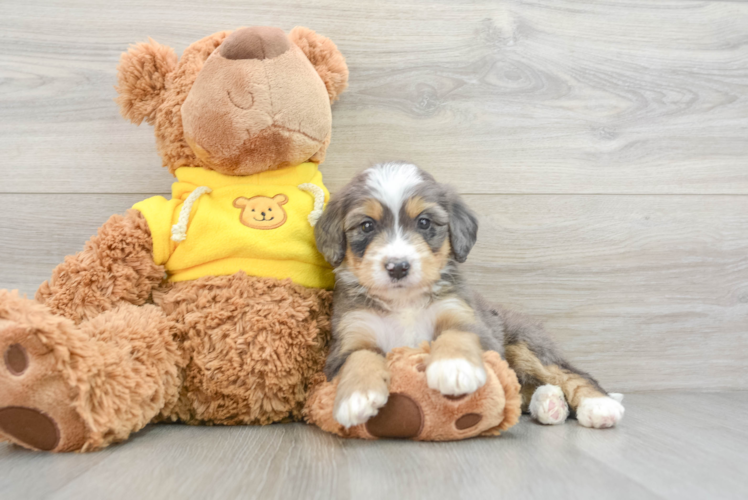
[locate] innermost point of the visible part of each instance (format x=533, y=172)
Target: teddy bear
x=212, y=307
x=414, y=411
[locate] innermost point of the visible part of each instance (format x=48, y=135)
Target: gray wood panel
x=498, y=97
x=645, y=292
x=678, y=445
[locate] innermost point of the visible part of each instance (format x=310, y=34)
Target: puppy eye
x=424, y=223
x=367, y=226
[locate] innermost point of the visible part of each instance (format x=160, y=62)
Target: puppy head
x=395, y=229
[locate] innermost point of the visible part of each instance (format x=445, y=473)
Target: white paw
x=617, y=396
x=599, y=412
x=454, y=377
x=548, y=405
x=359, y=408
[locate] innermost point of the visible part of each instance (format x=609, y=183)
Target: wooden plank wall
x=605, y=145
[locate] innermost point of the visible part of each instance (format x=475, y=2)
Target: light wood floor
x=669, y=445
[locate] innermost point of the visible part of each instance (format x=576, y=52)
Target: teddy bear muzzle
x=238, y=121
x=257, y=42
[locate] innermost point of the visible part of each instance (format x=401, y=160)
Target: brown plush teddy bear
x=238, y=332
x=213, y=307
x=414, y=411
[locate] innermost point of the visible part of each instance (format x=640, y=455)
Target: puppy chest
x=406, y=327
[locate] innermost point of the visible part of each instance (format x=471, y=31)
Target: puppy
x=396, y=238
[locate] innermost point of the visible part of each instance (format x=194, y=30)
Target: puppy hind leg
x=593, y=406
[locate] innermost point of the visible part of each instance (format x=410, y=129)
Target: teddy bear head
x=238, y=103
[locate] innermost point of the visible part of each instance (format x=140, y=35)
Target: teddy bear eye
x=253, y=209
x=270, y=209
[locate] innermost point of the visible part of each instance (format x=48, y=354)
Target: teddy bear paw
x=600, y=413
x=36, y=404
x=455, y=377
x=359, y=407
x=548, y=405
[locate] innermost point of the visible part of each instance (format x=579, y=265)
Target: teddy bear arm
x=115, y=267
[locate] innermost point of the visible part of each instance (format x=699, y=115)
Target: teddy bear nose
x=257, y=42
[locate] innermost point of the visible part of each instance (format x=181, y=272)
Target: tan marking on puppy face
x=432, y=263
x=416, y=205
x=574, y=386
x=261, y=212
x=372, y=208
x=364, y=268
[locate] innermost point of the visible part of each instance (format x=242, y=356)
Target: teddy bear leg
x=78, y=388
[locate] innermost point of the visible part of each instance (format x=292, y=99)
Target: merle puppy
x=395, y=238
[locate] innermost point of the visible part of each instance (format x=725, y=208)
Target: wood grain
x=497, y=97
x=645, y=292
x=658, y=451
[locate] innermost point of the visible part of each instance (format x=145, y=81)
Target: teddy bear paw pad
x=36, y=404
x=30, y=428
x=401, y=417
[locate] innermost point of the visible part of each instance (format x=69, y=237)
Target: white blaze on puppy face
x=392, y=184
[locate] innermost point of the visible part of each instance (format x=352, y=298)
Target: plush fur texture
x=417, y=413
x=115, y=267
x=109, y=345
x=326, y=59
x=253, y=347
x=143, y=72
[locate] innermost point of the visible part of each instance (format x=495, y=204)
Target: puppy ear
x=463, y=228
x=141, y=77
x=325, y=57
x=330, y=232
x=280, y=199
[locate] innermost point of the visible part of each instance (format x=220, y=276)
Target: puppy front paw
x=455, y=377
x=599, y=413
x=359, y=407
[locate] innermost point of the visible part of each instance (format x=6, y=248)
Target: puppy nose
x=263, y=214
x=397, y=270
x=258, y=42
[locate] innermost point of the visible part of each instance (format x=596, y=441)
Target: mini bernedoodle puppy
x=395, y=238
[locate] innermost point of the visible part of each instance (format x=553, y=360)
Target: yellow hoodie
x=260, y=224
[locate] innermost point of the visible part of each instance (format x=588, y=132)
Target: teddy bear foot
x=36, y=404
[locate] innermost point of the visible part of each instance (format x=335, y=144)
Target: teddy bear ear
x=240, y=202
x=325, y=57
x=141, y=77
